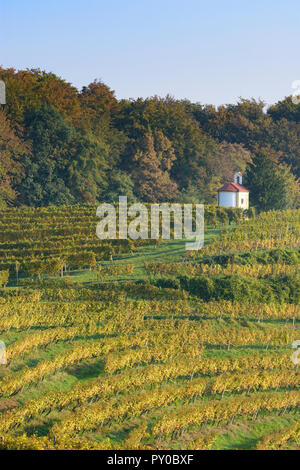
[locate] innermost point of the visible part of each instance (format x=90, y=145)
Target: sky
x=211, y=51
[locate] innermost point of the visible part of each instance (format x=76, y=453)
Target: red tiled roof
x=232, y=187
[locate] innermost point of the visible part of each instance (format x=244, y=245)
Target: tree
x=266, y=185
x=30, y=89
x=165, y=118
x=44, y=182
x=243, y=123
x=99, y=108
x=120, y=184
x=87, y=177
x=152, y=182
x=66, y=164
x=292, y=187
x=12, y=150
x=98, y=103
x=285, y=108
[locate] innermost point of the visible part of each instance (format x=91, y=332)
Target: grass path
x=167, y=252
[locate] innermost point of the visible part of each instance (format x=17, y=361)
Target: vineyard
x=141, y=345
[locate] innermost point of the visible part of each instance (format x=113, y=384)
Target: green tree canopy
x=266, y=185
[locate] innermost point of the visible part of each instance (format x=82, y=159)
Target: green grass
x=244, y=435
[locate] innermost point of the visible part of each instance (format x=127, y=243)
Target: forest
x=62, y=146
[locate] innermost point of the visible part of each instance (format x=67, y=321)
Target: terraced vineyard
x=193, y=353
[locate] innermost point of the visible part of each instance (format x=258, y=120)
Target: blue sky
x=208, y=51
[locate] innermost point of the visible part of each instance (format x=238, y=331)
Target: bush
x=238, y=288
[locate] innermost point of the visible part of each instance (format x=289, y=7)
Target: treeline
x=62, y=146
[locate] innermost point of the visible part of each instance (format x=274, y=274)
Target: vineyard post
x=294, y=317
x=17, y=271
